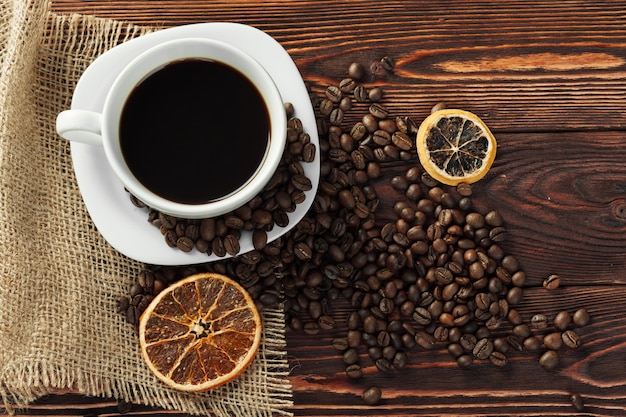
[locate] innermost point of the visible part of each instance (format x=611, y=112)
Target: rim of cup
x=156, y=58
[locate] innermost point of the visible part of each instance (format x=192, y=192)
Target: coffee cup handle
x=82, y=126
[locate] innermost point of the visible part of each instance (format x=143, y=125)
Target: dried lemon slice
x=455, y=146
x=200, y=332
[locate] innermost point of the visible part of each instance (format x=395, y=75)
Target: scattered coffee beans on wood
x=436, y=274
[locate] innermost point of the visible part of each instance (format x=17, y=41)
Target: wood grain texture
x=434, y=385
x=549, y=78
x=525, y=66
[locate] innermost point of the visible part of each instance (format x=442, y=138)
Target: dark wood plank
x=549, y=79
x=434, y=385
x=525, y=66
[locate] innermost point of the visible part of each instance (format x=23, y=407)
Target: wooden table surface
x=549, y=78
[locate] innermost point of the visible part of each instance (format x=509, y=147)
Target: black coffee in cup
x=194, y=131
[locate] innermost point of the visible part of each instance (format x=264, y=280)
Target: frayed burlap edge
x=59, y=280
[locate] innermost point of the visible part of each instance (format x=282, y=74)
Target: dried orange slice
x=200, y=332
x=455, y=146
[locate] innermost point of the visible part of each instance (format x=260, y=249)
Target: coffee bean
x=522, y=331
x=455, y=349
x=378, y=111
x=443, y=275
x=303, y=252
x=552, y=282
x=136, y=289
x=354, y=371
x=399, y=183
x=571, y=339
x=356, y=71
x=532, y=343
x=132, y=314
x=539, y=321
x=500, y=344
x=476, y=271
x=514, y=295
x=461, y=315
x=231, y=244
x=167, y=221
x=497, y=234
x=326, y=322
x=136, y=202
x=388, y=125
x=441, y=334
x=494, y=219
x=333, y=94
x=450, y=291
x=124, y=407
x=388, y=63
x=483, y=348
x=503, y=307
x=386, y=305
x=562, y=320
x=308, y=152
x=468, y=342
x=325, y=107
x=422, y=316
x=372, y=395
x=296, y=324
x=350, y=356
x=577, y=402
x=383, y=338
x=259, y=239
x=425, y=340
x=377, y=69
x=402, y=141
x=464, y=361
x=413, y=192
x=437, y=107
x=336, y=117
x=381, y=138
x=360, y=94
x=311, y=328
x=358, y=131
x=549, y=360
x=122, y=305
x=383, y=365
x=518, y=278
x=482, y=301
x=345, y=104
x=481, y=332
x=269, y=299
x=515, y=343
x=581, y=317
x=347, y=85
x=171, y=238
x=464, y=189
x=354, y=338
x=553, y=341
x=375, y=94
x=510, y=263
x=340, y=344
x=498, y=358
x=514, y=317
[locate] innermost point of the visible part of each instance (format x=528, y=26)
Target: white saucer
x=123, y=225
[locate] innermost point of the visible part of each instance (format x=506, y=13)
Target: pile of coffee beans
x=435, y=274
x=220, y=235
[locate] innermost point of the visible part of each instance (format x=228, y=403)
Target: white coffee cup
x=102, y=129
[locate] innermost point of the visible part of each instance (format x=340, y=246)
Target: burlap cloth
x=59, y=279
